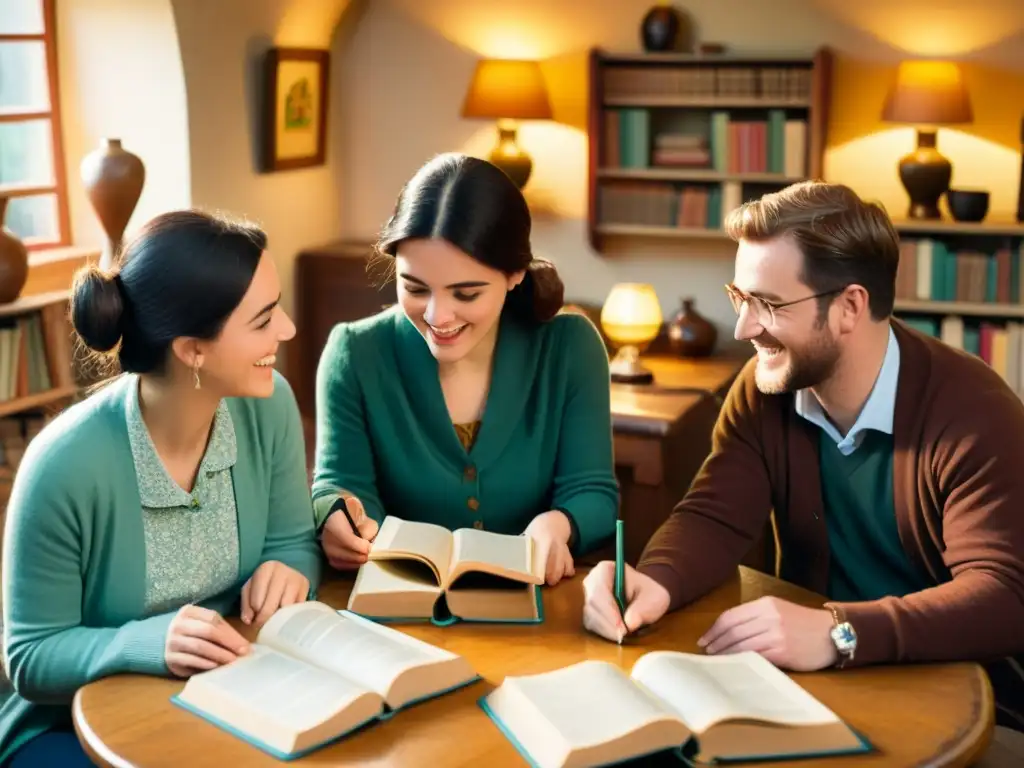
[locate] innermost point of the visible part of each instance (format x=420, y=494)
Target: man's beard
x=807, y=366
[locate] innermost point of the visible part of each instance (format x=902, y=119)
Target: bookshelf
x=964, y=283
x=679, y=140
x=37, y=374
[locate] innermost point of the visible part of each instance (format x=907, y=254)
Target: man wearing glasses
x=892, y=464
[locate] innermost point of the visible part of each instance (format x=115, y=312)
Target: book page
x=500, y=554
x=280, y=700
x=295, y=694
x=704, y=690
x=589, y=702
x=368, y=654
x=424, y=541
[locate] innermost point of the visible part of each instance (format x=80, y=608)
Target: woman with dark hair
x=473, y=402
x=177, y=492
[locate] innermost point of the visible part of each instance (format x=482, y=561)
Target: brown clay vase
x=113, y=179
x=13, y=260
x=690, y=334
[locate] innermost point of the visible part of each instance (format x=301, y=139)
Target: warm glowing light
x=525, y=29
x=309, y=23
x=631, y=314
x=869, y=166
x=507, y=88
x=558, y=184
x=939, y=28
x=928, y=92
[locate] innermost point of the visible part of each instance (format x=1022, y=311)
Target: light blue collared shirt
x=877, y=412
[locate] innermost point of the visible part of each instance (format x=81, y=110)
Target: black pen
x=341, y=505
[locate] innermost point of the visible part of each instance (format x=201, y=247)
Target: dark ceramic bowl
x=967, y=205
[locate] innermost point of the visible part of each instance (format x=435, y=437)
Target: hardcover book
x=420, y=571
x=315, y=675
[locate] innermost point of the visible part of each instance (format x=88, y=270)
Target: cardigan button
x=470, y=473
x=473, y=504
x=478, y=524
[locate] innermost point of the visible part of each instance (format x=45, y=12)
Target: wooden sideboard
x=662, y=432
x=333, y=284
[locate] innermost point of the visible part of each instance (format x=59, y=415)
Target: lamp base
x=925, y=174
x=626, y=367
x=509, y=156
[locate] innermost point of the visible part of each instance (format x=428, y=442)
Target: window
x=31, y=155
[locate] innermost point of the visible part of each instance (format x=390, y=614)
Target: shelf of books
x=677, y=141
x=964, y=284
x=37, y=374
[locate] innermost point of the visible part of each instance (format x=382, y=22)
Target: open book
x=424, y=571
x=705, y=708
x=314, y=675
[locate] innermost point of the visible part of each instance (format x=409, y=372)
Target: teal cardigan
x=74, y=569
x=545, y=439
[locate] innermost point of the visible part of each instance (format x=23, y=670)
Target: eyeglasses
x=764, y=310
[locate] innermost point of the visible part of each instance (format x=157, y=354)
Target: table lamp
x=927, y=94
x=508, y=90
x=631, y=319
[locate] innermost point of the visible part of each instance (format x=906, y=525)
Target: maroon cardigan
x=958, y=477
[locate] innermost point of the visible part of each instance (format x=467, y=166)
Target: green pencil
x=620, y=568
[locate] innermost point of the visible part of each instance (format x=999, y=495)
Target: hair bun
x=97, y=309
x=547, y=290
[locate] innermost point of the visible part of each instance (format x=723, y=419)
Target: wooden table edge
x=970, y=744
x=93, y=746
x=962, y=749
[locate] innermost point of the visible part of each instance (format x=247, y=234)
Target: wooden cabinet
x=333, y=283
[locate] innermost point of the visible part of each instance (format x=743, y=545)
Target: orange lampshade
x=507, y=88
x=928, y=93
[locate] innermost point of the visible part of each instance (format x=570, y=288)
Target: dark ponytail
x=541, y=294
x=97, y=308
x=473, y=205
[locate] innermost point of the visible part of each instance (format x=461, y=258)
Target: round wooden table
x=934, y=715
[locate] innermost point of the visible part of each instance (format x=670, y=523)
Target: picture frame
x=295, y=104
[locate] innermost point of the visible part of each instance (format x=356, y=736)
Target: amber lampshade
x=508, y=90
x=631, y=319
x=927, y=94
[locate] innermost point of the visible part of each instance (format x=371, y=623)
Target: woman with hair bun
x=473, y=402
x=174, y=494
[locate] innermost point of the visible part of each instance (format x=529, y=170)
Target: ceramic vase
x=690, y=334
x=13, y=260
x=113, y=179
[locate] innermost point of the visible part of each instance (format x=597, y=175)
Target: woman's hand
x=199, y=639
x=344, y=549
x=550, y=532
x=273, y=585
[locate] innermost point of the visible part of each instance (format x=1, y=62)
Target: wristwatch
x=843, y=635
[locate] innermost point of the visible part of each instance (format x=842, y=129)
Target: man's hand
x=646, y=602
x=788, y=635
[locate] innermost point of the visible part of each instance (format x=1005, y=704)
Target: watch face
x=844, y=637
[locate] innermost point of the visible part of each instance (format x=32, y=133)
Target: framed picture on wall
x=295, y=108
